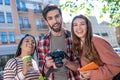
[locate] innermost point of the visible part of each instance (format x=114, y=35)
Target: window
x=3, y=37
x=9, y=17
x=11, y=37
x=20, y=22
x=17, y=5
x=40, y=8
x=104, y=34
x=23, y=5
x=2, y=19
x=7, y=2
x=1, y=2
x=97, y=33
x=37, y=8
x=26, y=24
x=37, y=23
x=42, y=23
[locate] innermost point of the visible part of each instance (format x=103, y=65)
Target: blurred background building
x=20, y=17
x=17, y=18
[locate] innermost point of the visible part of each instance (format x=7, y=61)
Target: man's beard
x=57, y=29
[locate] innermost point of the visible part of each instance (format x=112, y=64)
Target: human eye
x=57, y=16
x=82, y=23
x=33, y=42
x=26, y=40
x=49, y=18
x=74, y=25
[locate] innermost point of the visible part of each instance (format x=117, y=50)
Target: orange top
x=109, y=58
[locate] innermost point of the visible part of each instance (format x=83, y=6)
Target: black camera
x=57, y=56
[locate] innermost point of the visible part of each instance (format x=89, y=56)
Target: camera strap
x=49, y=71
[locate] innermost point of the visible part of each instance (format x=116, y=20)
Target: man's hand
x=65, y=61
x=49, y=62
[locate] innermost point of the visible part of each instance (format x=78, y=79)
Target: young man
x=57, y=38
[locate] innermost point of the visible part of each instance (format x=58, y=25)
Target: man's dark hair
x=50, y=7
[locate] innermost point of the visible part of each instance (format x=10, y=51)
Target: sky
x=67, y=18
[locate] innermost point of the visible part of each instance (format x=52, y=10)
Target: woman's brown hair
x=89, y=50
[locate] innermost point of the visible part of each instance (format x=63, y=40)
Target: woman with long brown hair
x=93, y=48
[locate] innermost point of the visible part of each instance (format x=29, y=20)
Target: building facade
x=117, y=30
x=20, y=17
x=103, y=29
x=17, y=18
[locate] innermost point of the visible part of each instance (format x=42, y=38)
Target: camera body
x=57, y=56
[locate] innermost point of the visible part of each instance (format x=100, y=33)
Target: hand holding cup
x=28, y=59
x=27, y=64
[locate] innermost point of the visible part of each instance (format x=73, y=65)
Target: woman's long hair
x=88, y=48
x=18, y=52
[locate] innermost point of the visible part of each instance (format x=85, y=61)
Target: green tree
x=109, y=7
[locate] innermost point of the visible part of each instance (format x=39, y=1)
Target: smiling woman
x=93, y=48
x=23, y=65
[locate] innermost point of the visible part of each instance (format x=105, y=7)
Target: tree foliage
x=109, y=7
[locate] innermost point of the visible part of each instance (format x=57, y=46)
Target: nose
x=55, y=20
x=79, y=27
x=30, y=42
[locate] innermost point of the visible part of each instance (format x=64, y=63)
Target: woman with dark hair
x=23, y=66
x=93, y=48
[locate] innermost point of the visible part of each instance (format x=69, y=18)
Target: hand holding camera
x=57, y=56
x=54, y=61
x=49, y=62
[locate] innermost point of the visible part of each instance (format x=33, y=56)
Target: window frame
x=7, y=2
x=3, y=36
x=9, y=17
x=37, y=21
x=1, y=1
x=26, y=22
x=2, y=15
x=11, y=37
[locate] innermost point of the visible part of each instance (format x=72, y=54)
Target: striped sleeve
x=10, y=72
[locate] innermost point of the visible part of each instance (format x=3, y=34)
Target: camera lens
x=57, y=55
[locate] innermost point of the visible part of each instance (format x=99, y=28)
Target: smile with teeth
x=79, y=32
x=29, y=46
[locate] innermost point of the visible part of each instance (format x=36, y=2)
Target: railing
x=25, y=27
x=43, y=27
x=37, y=11
x=22, y=9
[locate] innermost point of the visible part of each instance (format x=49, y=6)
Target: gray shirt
x=58, y=42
